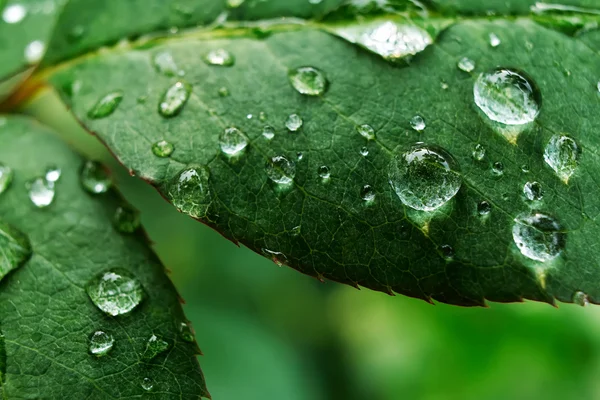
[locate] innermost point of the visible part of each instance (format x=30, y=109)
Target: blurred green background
x=271, y=333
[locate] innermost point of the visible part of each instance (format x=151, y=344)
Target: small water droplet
x=309, y=81
x=484, y=208
x=528, y=45
x=294, y=122
x=232, y=141
x=95, y=178
x=224, y=92
x=163, y=149
x=34, y=51
x=507, y=96
x=6, y=177
x=53, y=174
x=533, y=191
x=478, y=152
x=234, y=3
x=598, y=86
x=262, y=116
x=562, y=155
x=115, y=292
x=174, y=99
x=276, y=256
x=155, y=346
x=281, y=170
x=41, y=192
x=444, y=85
x=185, y=332
x=538, y=236
x=189, y=191
x=367, y=193
x=147, y=384
x=220, y=57
x=498, y=168
x=249, y=116
x=447, y=251
x=126, y=219
x=364, y=151
x=268, y=132
x=14, y=13
x=366, y=131
x=165, y=64
x=425, y=177
x=106, y=105
x=324, y=172
x=101, y=343
x=296, y=231
x=525, y=168
x=15, y=249
x=418, y=123
x=76, y=33
x=580, y=298
x=299, y=156
x=494, y=40
x=466, y=64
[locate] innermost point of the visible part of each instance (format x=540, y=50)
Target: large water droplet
x=425, y=177
x=478, y=152
x=189, y=191
x=533, y=191
x=165, y=64
x=34, y=51
x=293, y=122
x=366, y=131
x=6, y=177
x=126, y=219
x=115, y=292
x=507, y=96
x=14, y=13
x=417, y=123
x=106, y=105
x=155, y=346
x=220, y=57
x=147, y=384
x=174, y=99
x=538, y=236
x=466, y=64
x=41, y=192
x=94, y=178
x=163, y=149
x=232, y=141
x=101, y=343
x=562, y=155
x=281, y=170
x=309, y=81
x=268, y=132
x=15, y=249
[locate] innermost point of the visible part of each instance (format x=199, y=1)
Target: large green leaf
x=323, y=227
x=46, y=316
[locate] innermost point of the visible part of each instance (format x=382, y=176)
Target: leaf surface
x=46, y=317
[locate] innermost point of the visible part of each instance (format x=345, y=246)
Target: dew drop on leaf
x=106, y=105
x=189, y=191
x=466, y=64
x=538, y=236
x=174, y=99
x=163, y=149
x=185, y=332
x=232, y=141
x=53, y=174
x=223, y=92
x=447, y=251
x=262, y=116
x=276, y=256
x=418, y=123
x=299, y=156
x=126, y=219
x=484, y=208
x=562, y=155
x=268, y=132
x=498, y=168
x=34, y=51
x=155, y=346
x=41, y=192
x=296, y=231
x=425, y=177
x=507, y=96
x=366, y=131
x=533, y=191
x=115, y=292
x=101, y=343
x=494, y=40
x=293, y=122
x=15, y=249
x=219, y=57
x=324, y=172
x=367, y=193
x=147, y=384
x=6, y=177
x=94, y=178
x=478, y=152
x=364, y=151
x=14, y=13
x=280, y=170
x=580, y=298
x=309, y=81
x=165, y=64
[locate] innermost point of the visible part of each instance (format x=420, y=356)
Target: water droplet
x=41, y=192
x=466, y=64
x=281, y=170
x=598, y=86
x=106, y=105
x=268, y=132
x=165, y=64
x=34, y=51
x=309, y=81
x=525, y=168
x=296, y=231
x=95, y=178
x=425, y=177
x=15, y=249
x=494, y=40
x=249, y=116
x=262, y=116
x=580, y=298
x=163, y=149
x=417, y=123
x=276, y=256
x=533, y=191
x=14, y=13
x=126, y=219
x=562, y=155
x=147, y=384
x=224, y=92
x=364, y=151
x=498, y=168
x=185, y=332
x=234, y=3
x=447, y=251
x=232, y=141
x=293, y=122
x=299, y=156
x=324, y=172
x=115, y=292
x=6, y=177
x=101, y=343
x=220, y=57
x=478, y=152
x=174, y=99
x=53, y=174
x=366, y=131
x=189, y=191
x=444, y=85
x=155, y=346
x=484, y=208
x=367, y=193
x=538, y=236
x=507, y=96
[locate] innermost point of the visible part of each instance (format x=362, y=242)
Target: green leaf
x=49, y=325
x=323, y=226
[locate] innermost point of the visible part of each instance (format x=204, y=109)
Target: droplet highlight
x=324, y=172
x=41, y=192
x=220, y=57
x=367, y=193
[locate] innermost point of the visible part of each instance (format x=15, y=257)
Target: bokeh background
x=271, y=333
